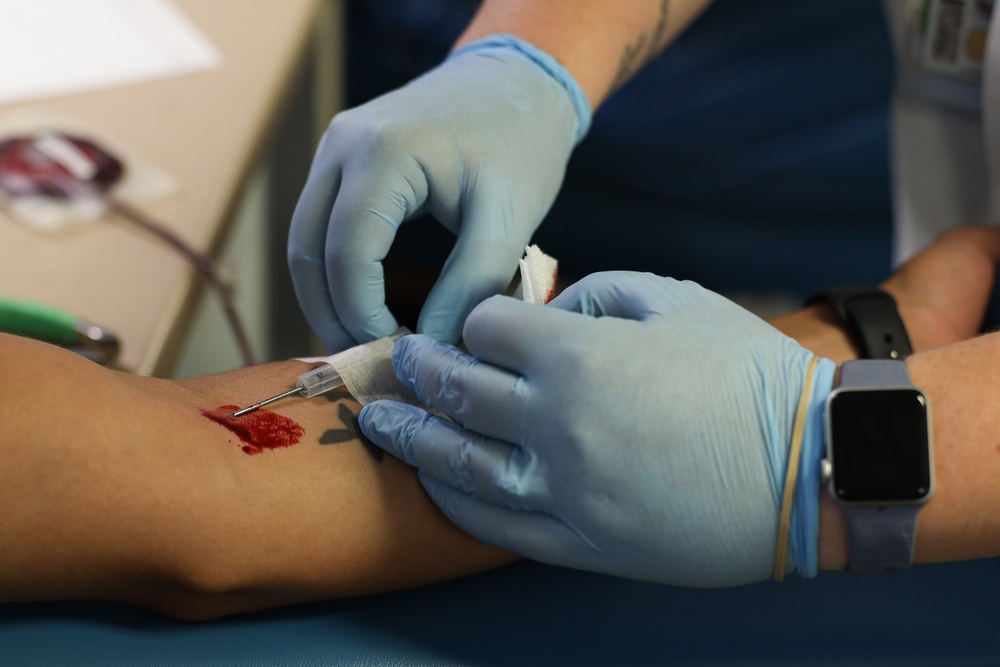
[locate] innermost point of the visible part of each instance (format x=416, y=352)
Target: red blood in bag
x=26, y=170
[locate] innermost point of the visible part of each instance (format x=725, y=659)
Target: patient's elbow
x=204, y=590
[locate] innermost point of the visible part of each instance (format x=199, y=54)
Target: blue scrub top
x=752, y=154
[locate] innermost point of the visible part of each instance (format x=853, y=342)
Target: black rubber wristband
x=871, y=318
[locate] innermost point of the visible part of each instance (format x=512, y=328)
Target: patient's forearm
x=136, y=489
x=124, y=488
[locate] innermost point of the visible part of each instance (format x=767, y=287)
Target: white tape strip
x=367, y=369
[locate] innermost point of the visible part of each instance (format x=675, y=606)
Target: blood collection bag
x=49, y=180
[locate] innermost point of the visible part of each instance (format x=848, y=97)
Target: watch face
x=880, y=447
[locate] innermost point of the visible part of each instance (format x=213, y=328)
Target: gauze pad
x=367, y=369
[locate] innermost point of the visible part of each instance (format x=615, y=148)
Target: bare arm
x=941, y=294
x=601, y=42
x=137, y=490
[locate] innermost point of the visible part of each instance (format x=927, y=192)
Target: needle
x=318, y=381
x=267, y=401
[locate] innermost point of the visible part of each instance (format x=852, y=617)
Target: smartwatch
x=879, y=463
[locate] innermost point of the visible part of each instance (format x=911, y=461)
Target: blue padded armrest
x=529, y=614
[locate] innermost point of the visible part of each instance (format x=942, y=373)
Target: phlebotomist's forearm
x=601, y=42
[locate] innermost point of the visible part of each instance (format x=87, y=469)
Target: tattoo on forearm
x=336, y=436
x=660, y=30
x=627, y=64
x=351, y=431
x=337, y=395
x=643, y=49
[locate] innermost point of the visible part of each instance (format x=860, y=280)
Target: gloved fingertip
x=362, y=332
x=392, y=426
x=446, y=497
x=337, y=342
x=406, y=348
x=446, y=308
x=444, y=329
x=382, y=325
x=377, y=423
x=363, y=416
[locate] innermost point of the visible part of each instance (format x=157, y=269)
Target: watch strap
x=874, y=373
x=882, y=538
x=871, y=318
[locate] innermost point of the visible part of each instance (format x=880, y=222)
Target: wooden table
x=207, y=131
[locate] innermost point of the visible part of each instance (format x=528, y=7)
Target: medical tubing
x=548, y=64
x=205, y=264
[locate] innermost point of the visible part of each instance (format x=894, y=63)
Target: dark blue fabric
x=775, y=106
x=752, y=154
x=530, y=614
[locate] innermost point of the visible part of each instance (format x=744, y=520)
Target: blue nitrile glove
x=481, y=142
x=636, y=426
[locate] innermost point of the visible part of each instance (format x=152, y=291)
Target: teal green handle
x=36, y=320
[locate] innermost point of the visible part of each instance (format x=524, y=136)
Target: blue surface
x=529, y=614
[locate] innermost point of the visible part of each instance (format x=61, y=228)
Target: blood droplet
x=259, y=430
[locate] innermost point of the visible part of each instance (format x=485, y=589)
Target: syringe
x=318, y=381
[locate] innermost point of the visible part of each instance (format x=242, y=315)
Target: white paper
x=50, y=48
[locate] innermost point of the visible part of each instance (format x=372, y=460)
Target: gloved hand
x=481, y=142
x=635, y=426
